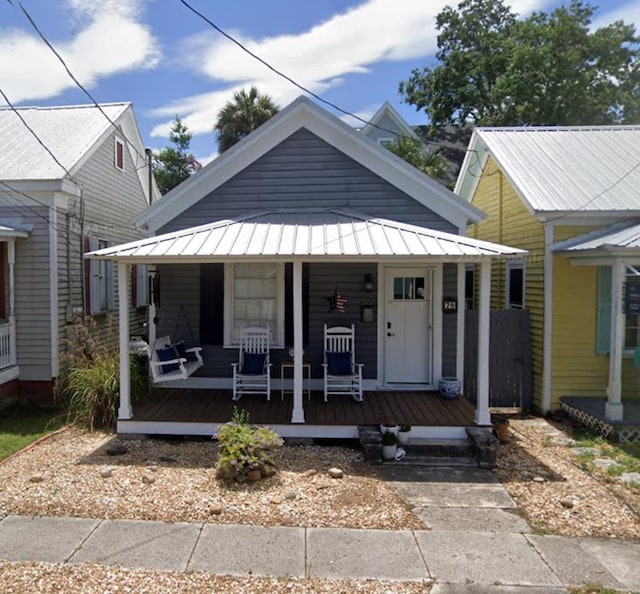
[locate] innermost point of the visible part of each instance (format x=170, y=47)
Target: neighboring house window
x=603, y=317
x=515, y=285
x=139, y=285
x=254, y=296
x=385, y=142
x=99, y=279
x=119, y=154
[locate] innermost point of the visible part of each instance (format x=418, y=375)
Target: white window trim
x=518, y=265
x=101, y=287
x=278, y=341
x=118, y=143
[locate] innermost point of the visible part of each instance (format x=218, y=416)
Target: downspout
x=149, y=154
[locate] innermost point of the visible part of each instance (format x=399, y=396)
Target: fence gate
x=510, y=376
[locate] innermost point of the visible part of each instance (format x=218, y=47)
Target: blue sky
x=167, y=61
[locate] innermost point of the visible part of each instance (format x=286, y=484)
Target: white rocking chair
x=252, y=372
x=342, y=375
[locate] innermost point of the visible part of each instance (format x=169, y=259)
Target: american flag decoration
x=336, y=301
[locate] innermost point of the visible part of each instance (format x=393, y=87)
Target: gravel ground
x=71, y=474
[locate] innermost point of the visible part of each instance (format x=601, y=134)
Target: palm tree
x=243, y=115
x=412, y=151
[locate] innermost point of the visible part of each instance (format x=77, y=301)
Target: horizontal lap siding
x=509, y=222
x=32, y=292
x=302, y=172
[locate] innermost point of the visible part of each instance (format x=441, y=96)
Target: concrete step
x=435, y=461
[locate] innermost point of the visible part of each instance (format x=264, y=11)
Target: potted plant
x=389, y=426
x=389, y=445
x=403, y=434
x=501, y=426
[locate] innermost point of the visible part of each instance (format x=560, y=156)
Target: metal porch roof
x=623, y=236
x=315, y=234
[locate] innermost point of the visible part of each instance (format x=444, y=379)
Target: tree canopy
x=243, y=115
x=414, y=153
x=173, y=164
x=548, y=69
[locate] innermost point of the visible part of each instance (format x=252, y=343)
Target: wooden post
x=483, y=417
x=124, y=412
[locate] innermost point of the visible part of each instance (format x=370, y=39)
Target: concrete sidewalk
x=476, y=543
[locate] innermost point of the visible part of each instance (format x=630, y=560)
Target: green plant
x=405, y=428
x=89, y=382
x=389, y=439
x=244, y=447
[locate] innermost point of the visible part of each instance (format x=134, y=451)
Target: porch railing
x=7, y=344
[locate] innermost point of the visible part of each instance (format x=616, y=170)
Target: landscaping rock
x=290, y=495
x=216, y=509
x=538, y=479
x=269, y=471
x=147, y=479
x=605, y=463
x=116, y=449
x=276, y=500
x=310, y=472
x=567, y=503
x=36, y=478
x=630, y=478
x=583, y=451
x=335, y=473
x=106, y=472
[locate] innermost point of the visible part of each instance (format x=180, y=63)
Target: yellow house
x=570, y=196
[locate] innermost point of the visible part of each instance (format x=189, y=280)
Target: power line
x=40, y=142
x=302, y=87
x=78, y=83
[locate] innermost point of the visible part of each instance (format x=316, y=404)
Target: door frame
x=436, y=331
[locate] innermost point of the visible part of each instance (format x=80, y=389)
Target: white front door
x=408, y=325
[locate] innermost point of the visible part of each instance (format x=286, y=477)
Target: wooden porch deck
x=426, y=409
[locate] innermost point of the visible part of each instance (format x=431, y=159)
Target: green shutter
x=603, y=317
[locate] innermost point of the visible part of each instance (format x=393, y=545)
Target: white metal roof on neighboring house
x=68, y=131
x=554, y=169
x=12, y=231
x=624, y=236
x=317, y=234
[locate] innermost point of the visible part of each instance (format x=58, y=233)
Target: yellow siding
x=509, y=222
x=577, y=369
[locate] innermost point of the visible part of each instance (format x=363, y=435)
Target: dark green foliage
x=172, y=165
x=548, y=69
x=243, y=115
x=389, y=438
x=413, y=152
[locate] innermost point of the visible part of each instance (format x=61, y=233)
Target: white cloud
x=318, y=59
x=29, y=70
x=629, y=13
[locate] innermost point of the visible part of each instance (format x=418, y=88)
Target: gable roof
x=586, y=169
x=303, y=113
x=621, y=238
x=318, y=233
x=72, y=133
x=387, y=110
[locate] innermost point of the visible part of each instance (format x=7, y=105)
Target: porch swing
x=169, y=360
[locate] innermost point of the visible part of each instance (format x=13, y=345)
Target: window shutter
x=3, y=289
x=212, y=304
x=603, y=314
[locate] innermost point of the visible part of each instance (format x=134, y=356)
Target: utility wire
x=302, y=87
x=78, y=83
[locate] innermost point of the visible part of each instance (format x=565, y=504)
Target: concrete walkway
x=477, y=543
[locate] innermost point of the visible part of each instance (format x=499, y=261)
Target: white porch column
x=11, y=257
x=297, y=415
x=124, y=412
x=151, y=324
x=483, y=417
x=613, y=407
x=462, y=306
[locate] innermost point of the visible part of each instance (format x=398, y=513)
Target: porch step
x=435, y=461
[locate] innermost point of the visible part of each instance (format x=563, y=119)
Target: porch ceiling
x=315, y=234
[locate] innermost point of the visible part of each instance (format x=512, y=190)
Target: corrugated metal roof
x=583, y=169
x=13, y=231
x=621, y=236
x=69, y=132
x=310, y=233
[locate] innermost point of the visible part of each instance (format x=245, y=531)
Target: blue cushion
x=253, y=363
x=182, y=352
x=168, y=354
x=339, y=363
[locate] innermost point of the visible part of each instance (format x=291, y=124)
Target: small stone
x=106, y=472
x=605, y=463
x=630, y=478
x=152, y=468
x=290, y=495
x=215, y=509
x=36, y=478
x=321, y=486
x=335, y=473
x=276, y=500
x=147, y=479
x=268, y=471
x=538, y=479
x=310, y=472
x=568, y=503
x=116, y=449
x=583, y=451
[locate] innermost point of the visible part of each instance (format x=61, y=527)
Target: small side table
x=306, y=368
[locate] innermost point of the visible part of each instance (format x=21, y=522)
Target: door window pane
x=408, y=288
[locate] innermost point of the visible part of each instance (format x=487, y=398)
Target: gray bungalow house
x=302, y=210
x=51, y=211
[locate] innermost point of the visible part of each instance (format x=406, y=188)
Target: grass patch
x=22, y=427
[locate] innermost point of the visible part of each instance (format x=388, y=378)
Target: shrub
x=244, y=447
x=89, y=382
x=389, y=438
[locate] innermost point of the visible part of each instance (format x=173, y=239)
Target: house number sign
x=449, y=305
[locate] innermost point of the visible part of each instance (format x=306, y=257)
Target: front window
x=255, y=298
x=515, y=285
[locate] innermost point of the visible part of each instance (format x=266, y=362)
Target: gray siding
x=385, y=129
x=449, y=321
x=32, y=291
x=301, y=172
